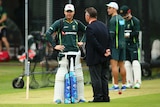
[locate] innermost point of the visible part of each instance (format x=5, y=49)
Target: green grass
x=151, y=100
x=147, y=96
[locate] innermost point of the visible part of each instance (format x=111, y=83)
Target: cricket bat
x=67, y=89
x=70, y=91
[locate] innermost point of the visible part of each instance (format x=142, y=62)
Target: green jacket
x=133, y=27
x=116, y=29
x=67, y=34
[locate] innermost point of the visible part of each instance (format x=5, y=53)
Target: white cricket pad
x=129, y=73
x=59, y=80
x=136, y=71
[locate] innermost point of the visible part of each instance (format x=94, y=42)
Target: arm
x=54, y=28
x=112, y=29
x=110, y=40
x=108, y=50
x=4, y=18
x=82, y=28
x=136, y=28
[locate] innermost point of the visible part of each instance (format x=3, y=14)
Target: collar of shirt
x=92, y=21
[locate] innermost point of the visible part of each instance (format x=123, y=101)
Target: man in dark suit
x=97, y=52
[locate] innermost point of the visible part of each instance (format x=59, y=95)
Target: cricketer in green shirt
x=68, y=43
x=3, y=29
x=132, y=65
x=2, y=12
x=132, y=26
x=67, y=33
x=116, y=28
x=132, y=29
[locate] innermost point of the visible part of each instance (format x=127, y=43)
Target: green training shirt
x=132, y=26
x=116, y=29
x=2, y=12
x=68, y=35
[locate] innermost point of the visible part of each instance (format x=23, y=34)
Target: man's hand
x=127, y=35
x=108, y=52
x=59, y=47
x=80, y=44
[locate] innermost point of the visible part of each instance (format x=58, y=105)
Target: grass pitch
x=147, y=96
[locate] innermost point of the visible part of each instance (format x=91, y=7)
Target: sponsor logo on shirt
x=65, y=27
x=71, y=33
x=73, y=27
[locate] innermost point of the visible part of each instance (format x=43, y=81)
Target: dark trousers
x=99, y=81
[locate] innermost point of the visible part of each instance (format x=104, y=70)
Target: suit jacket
x=97, y=41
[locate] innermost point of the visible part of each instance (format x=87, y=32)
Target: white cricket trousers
x=59, y=78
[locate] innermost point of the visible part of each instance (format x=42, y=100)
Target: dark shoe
x=93, y=101
x=106, y=100
x=90, y=101
x=101, y=99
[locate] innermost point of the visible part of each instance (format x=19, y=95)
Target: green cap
x=124, y=10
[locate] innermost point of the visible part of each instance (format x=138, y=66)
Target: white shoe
x=114, y=88
x=129, y=85
x=137, y=85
